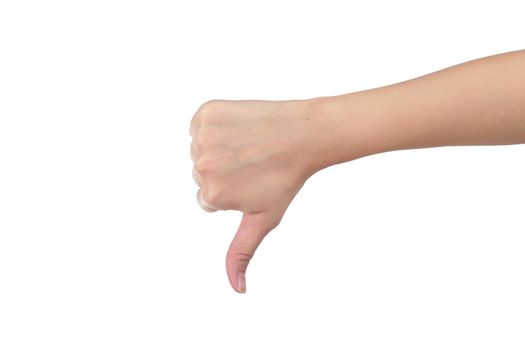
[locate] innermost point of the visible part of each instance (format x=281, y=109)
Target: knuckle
x=204, y=139
x=211, y=197
x=202, y=203
x=196, y=178
x=208, y=109
x=199, y=142
x=202, y=115
x=242, y=256
x=194, y=151
x=202, y=165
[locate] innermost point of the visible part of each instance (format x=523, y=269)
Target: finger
x=251, y=232
x=193, y=124
x=193, y=151
x=203, y=204
x=196, y=177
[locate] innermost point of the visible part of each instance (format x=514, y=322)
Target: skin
x=254, y=156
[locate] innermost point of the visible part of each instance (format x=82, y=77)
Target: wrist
x=345, y=128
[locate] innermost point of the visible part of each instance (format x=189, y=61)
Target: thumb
x=251, y=232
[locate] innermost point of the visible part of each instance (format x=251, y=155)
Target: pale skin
x=254, y=156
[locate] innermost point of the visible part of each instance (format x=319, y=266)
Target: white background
x=102, y=245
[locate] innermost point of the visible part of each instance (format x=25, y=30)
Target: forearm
x=481, y=102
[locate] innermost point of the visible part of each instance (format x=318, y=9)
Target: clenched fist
x=251, y=156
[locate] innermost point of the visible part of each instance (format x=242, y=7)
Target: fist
x=250, y=156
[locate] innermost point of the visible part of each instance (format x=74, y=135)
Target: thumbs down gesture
x=253, y=157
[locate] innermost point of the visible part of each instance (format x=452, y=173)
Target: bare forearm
x=481, y=102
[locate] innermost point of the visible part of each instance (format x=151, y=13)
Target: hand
x=250, y=156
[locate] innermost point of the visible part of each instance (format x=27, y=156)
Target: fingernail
x=241, y=282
